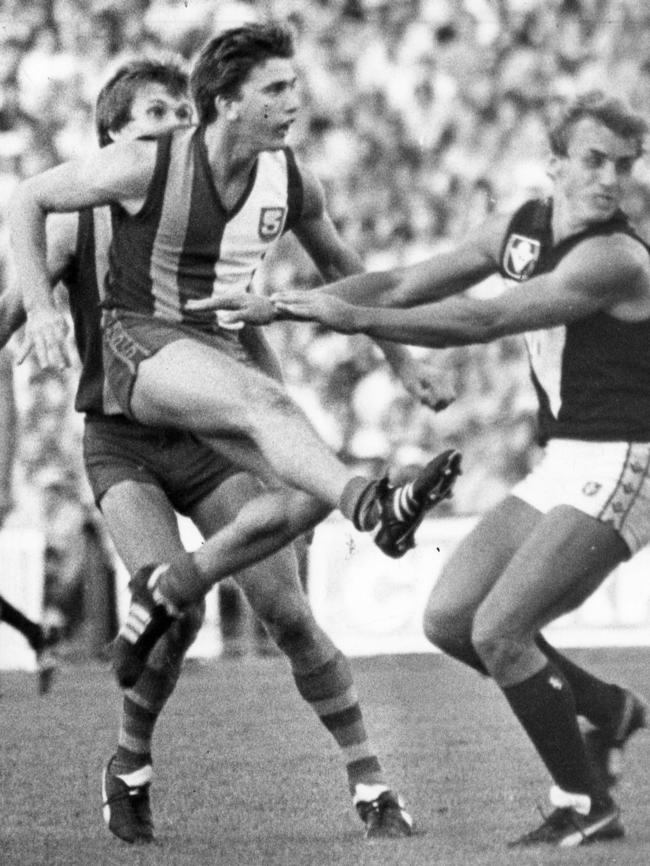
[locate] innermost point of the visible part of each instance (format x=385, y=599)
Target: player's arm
x=259, y=348
x=61, y=240
x=118, y=173
x=446, y=273
x=599, y=274
x=335, y=259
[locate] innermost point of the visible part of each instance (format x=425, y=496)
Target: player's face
x=268, y=103
x=594, y=174
x=155, y=111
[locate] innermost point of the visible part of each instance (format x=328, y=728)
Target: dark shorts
x=130, y=338
x=116, y=449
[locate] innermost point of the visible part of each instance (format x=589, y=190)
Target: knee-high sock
x=143, y=703
x=545, y=707
x=330, y=691
x=596, y=700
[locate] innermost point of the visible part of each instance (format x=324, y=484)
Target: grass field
x=245, y=776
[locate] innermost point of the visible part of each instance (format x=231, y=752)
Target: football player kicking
x=139, y=475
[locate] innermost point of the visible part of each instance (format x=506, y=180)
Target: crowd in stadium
x=420, y=117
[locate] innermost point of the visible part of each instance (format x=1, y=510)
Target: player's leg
x=128, y=775
x=469, y=574
x=214, y=391
x=561, y=563
x=37, y=638
x=467, y=577
x=322, y=673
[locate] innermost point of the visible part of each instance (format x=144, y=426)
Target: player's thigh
x=196, y=386
x=478, y=561
x=142, y=524
x=561, y=563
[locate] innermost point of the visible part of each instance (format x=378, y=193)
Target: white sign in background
x=370, y=604
x=367, y=603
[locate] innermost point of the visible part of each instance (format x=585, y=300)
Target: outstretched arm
x=587, y=280
x=334, y=260
x=446, y=273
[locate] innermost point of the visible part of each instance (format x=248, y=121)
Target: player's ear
x=228, y=108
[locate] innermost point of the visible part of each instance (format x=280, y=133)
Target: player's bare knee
x=500, y=652
x=444, y=628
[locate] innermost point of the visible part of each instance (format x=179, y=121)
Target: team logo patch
x=591, y=488
x=520, y=256
x=271, y=222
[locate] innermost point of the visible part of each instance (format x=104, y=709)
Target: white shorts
x=607, y=480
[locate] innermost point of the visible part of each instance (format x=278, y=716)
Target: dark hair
x=608, y=110
x=226, y=61
x=115, y=100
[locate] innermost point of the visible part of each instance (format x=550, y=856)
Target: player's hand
x=316, y=306
x=239, y=308
x=425, y=384
x=45, y=335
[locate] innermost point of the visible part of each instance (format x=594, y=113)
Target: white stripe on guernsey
x=242, y=247
x=103, y=235
x=167, y=250
x=545, y=352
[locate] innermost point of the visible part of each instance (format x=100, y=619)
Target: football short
x=607, y=480
x=130, y=338
x=116, y=449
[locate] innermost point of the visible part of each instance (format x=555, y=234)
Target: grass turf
x=245, y=775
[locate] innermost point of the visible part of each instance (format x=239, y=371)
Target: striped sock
x=143, y=703
x=359, y=504
x=330, y=691
x=405, y=503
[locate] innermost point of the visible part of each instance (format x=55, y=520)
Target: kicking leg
x=192, y=386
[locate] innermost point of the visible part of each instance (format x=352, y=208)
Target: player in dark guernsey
x=139, y=475
x=578, y=286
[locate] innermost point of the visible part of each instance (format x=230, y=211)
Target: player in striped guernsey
x=139, y=475
x=578, y=287
x=193, y=216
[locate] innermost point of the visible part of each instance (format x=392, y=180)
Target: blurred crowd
x=420, y=117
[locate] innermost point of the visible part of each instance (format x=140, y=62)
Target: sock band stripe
x=344, y=719
x=329, y=706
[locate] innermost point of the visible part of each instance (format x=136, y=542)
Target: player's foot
x=125, y=803
x=147, y=620
x=605, y=748
x=382, y=812
x=566, y=827
x=403, y=508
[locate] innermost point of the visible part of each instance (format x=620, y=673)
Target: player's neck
x=566, y=222
x=230, y=158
